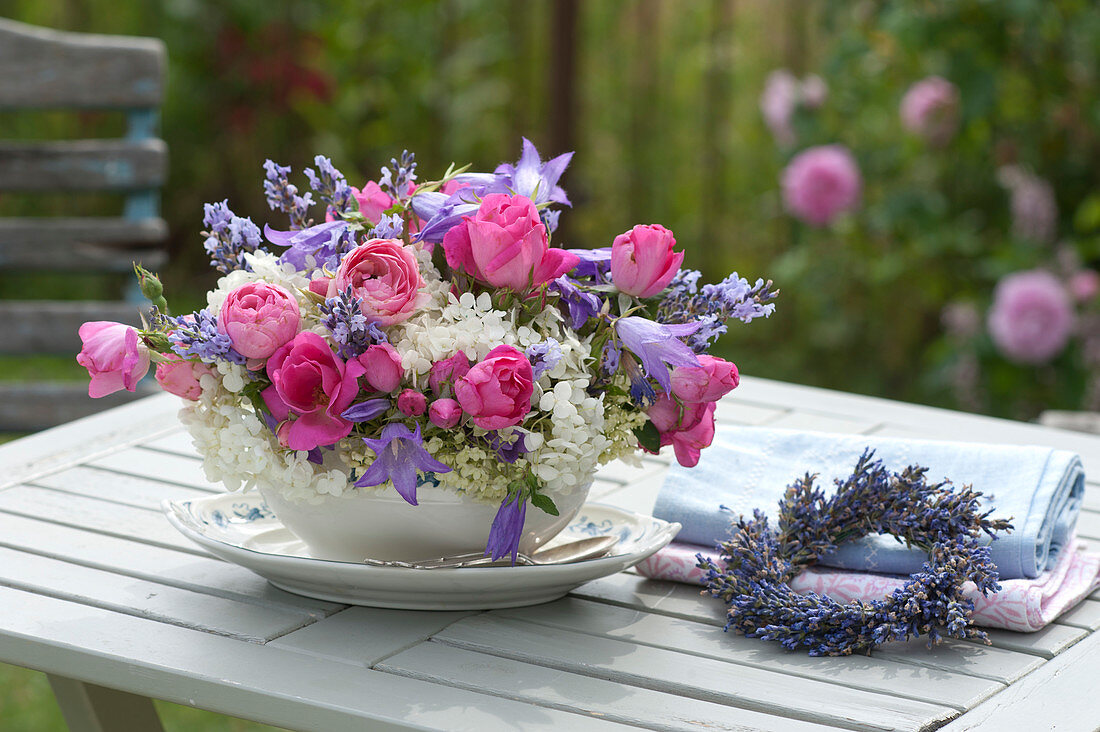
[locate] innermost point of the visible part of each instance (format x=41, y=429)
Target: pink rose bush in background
x=348, y=354
x=821, y=183
x=1031, y=319
x=930, y=108
x=783, y=95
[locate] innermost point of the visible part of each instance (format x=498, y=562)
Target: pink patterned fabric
x=1023, y=605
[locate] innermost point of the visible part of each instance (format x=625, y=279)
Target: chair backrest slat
x=48, y=69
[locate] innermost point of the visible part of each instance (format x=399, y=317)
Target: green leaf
x=648, y=437
x=544, y=502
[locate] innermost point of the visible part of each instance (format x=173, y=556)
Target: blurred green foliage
x=667, y=129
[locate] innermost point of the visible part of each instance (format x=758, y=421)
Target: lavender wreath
x=947, y=523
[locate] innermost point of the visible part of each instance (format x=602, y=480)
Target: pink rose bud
x=688, y=429
x=114, y=356
x=411, y=403
x=642, y=260
x=180, y=377
x=820, y=183
x=385, y=276
x=449, y=370
x=496, y=392
x=319, y=286
x=259, y=318
x=382, y=364
x=506, y=245
x=708, y=382
x=444, y=413
x=310, y=382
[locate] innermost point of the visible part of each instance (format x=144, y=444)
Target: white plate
x=240, y=528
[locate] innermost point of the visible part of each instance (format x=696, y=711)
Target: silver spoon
x=573, y=551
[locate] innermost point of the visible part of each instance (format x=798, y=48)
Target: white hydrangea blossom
x=568, y=432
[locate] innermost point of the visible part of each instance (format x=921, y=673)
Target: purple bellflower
x=595, y=263
x=442, y=212
x=658, y=345
x=327, y=243
x=582, y=305
x=368, y=410
x=399, y=454
x=507, y=528
x=533, y=178
x=507, y=452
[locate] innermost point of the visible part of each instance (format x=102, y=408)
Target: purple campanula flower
x=533, y=178
x=442, y=212
x=544, y=356
x=595, y=263
x=368, y=410
x=507, y=528
x=658, y=345
x=610, y=358
x=508, y=452
x=641, y=391
x=327, y=243
x=399, y=454
x=582, y=305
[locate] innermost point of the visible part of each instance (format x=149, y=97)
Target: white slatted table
x=98, y=591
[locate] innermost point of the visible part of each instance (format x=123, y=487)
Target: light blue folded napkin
x=747, y=468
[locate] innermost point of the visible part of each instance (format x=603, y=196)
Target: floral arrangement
x=759, y=562
x=428, y=331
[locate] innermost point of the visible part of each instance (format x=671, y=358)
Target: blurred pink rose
x=1031, y=318
x=506, y=245
x=1084, y=285
x=931, y=109
x=411, y=403
x=777, y=104
x=444, y=413
x=385, y=276
x=642, y=260
x=449, y=370
x=496, y=392
x=114, y=356
x=688, y=429
x=180, y=377
x=813, y=91
x=382, y=367
x=1034, y=206
x=820, y=183
x=708, y=382
x=310, y=381
x=258, y=318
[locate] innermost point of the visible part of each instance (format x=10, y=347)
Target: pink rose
x=384, y=275
x=320, y=285
x=930, y=108
x=180, y=377
x=382, y=367
x=708, y=382
x=114, y=356
x=496, y=392
x=1031, y=319
x=506, y=245
x=820, y=183
x=1084, y=285
x=642, y=260
x=688, y=429
x=258, y=318
x=444, y=413
x=411, y=403
x=447, y=371
x=310, y=381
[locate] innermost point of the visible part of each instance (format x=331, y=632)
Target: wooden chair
x=44, y=69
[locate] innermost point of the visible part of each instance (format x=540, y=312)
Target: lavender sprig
x=282, y=195
x=197, y=336
x=348, y=326
x=388, y=227
x=228, y=237
x=715, y=304
x=760, y=562
x=396, y=182
x=331, y=185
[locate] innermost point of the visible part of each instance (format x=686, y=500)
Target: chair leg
x=92, y=708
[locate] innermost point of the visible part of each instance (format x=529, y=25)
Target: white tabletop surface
x=98, y=590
